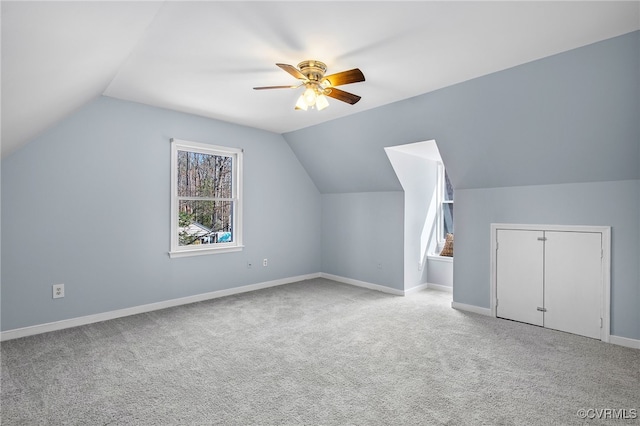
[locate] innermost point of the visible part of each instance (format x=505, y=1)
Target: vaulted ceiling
x=205, y=57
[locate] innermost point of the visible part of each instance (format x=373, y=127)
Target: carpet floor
x=317, y=352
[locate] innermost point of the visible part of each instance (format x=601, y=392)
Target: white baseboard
x=471, y=308
x=382, y=288
x=616, y=340
x=364, y=284
x=624, y=341
x=440, y=287
x=104, y=316
x=416, y=288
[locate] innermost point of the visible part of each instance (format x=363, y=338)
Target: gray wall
x=571, y=118
x=87, y=204
x=614, y=204
x=553, y=141
x=362, y=237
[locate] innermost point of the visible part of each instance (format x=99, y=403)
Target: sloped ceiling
x=58, y=56
x=205, y=57
x=566, y=118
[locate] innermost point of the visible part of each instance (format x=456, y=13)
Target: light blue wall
x=614, y=204
x=568, y=118
x=87, y=204
x=360, y=230
x=572, y=118
x=553, y=141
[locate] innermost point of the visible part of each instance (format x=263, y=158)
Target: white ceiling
x=205, y=57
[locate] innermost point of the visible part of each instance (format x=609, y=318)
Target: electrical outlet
x=58, y=291
x=249, y=265
x=264, y=262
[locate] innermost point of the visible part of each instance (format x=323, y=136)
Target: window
x=445, y=202
x=206, y=199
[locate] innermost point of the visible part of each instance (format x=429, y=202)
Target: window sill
x=439, y=258
x=200, y=252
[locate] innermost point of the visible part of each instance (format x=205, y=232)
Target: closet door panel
x=573, y=282
x=519, y=275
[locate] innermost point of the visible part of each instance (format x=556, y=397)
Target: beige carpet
x=316, y=353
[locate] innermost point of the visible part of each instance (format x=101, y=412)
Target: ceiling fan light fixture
x=321, y=102
x=301, y=104
x=310, y=96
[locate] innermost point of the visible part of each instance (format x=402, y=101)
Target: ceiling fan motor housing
x=313, y=70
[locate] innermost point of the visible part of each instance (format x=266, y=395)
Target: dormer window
x=445, y=204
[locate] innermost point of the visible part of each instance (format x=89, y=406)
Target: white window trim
x=440, y=198
x=184, y=251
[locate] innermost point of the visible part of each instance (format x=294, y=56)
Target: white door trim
x=605, y=310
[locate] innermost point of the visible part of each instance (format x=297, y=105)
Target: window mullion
x=205, y=199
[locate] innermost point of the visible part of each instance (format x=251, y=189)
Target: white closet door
x=573, y=281
x=519, y=275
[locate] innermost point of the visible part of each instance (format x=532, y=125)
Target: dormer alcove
x=421, y=173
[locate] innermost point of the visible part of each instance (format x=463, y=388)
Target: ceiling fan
x=318, y=86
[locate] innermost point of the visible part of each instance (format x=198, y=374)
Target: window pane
x=204, y=222
x=204, y=175
x=448, y=188
x=447, y=218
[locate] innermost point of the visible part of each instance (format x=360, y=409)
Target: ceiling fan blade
x=275, y=87
x=293, y=71
x=341, y=95
x=345, y=77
